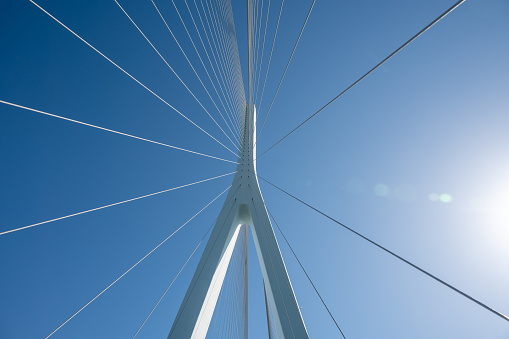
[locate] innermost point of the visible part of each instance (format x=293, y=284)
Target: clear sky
x=415, y=157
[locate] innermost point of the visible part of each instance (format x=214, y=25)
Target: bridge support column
x=244, y=205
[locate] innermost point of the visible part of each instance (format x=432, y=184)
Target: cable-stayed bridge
x=218, y=100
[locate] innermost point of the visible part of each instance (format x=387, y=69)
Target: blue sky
x=432, y=120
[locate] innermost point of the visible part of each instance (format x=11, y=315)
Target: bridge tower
x=243, y=209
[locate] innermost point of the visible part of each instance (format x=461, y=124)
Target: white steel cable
x=217, y=310
x=112, y=131
x=212, y=49
x=132, y=77
x=233, y=268
x=270, y=57
x=227, y=76
x=203, y=64
x=214, y=316
x=220, y=48
x=263, y=49
x=175, y=73
x=409, y=41
x=226, y=45
x=225, y=312
x=239, y=80
x=254, y=8
x=231, y=110
x=219, y=60
x=139, y=261
x=169, y=286
x=286, y=68
x=194, y=70
x=256, y=49
x=110, y=205
x=221, y=23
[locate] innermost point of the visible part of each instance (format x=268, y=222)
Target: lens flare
x=445, y=198
x=381, y=190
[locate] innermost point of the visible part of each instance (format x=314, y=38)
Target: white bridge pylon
x=243, y=206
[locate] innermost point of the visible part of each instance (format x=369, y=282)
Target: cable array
x=136, y=264
x=501, y=315
x=111, y=130
x=270, y=317
x=440, y=17
x=197, y=76
x=113, y=204
x=132, y=77
x=270, y=56
x=286, y=68
x=175, y=73
x=218, y=28
x=307, y=275
x=171, y=283
x=230, y=124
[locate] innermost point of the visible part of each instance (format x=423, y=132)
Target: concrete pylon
x=244, y=205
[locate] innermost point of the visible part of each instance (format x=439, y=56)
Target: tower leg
x=197, y=308
x=288, y=321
